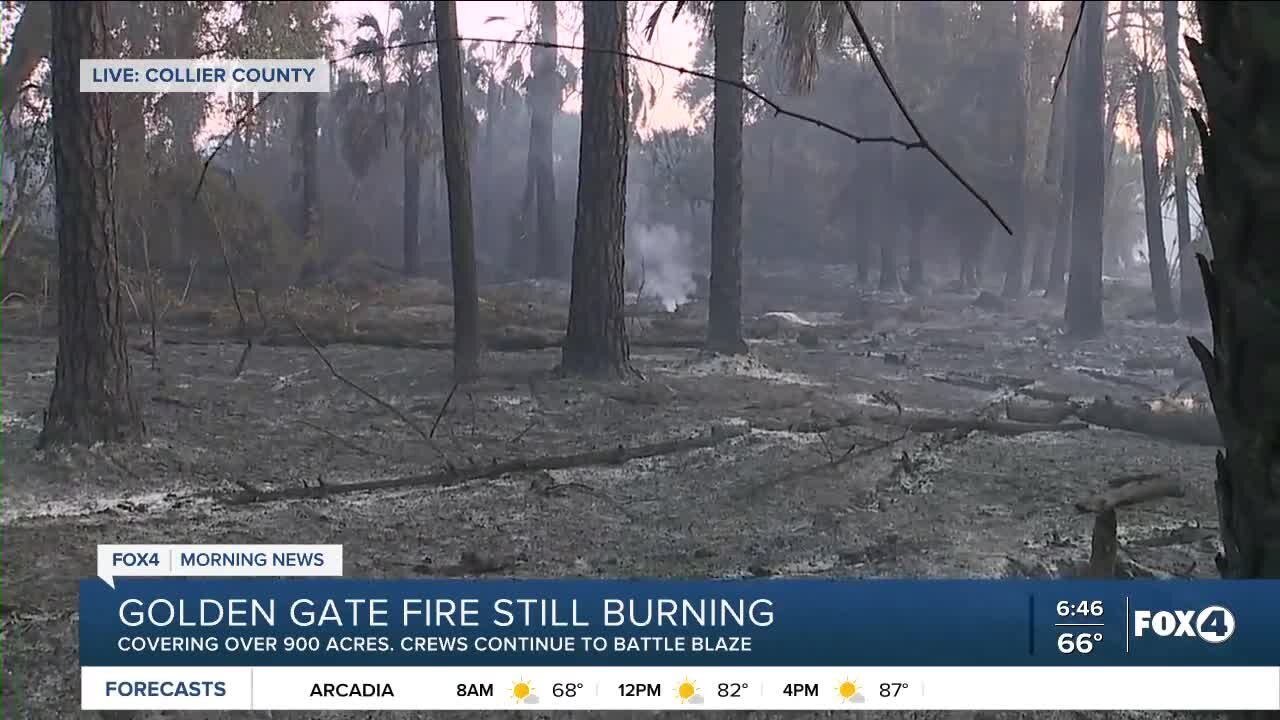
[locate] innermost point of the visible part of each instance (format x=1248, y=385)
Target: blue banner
x=792, y=622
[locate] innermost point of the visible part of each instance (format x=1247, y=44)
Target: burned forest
x=650, y=289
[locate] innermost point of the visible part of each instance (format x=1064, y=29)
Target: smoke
x=660, y=263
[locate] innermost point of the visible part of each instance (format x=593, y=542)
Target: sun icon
x=686, y=691
x=521, y=690
x=848, y=690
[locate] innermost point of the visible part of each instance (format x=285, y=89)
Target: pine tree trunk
x=1013, y=272
x=309, y=127
x=545, y=102
x=1237, y=188
x=889, y=234
x=1083, y=314
x=411, y=240
x=596, y=341
x=1145, y=97
x=457, y=171
x=92, y=400
x=1068, y=95
x=1191, y=295
x=724, y=323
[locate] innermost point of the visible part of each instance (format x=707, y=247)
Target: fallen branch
x=1192, y=428
x=1118, y=379
x=1131, y=494
x=456, y=476
x=351, y=384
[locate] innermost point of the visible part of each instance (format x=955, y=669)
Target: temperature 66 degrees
x=1078, y=643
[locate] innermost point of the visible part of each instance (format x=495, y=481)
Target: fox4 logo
x=1214, y=624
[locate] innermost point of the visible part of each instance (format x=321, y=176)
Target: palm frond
x=798, y=24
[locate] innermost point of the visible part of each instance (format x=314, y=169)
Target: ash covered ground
x=865, y=436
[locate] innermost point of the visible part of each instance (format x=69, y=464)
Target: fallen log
x=1192, y=428
x=452, y=476
x=495, y=342
x=1038, y=412
x=916, y=422
x=1131, y=494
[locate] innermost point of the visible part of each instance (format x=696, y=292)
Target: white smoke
x=660, y=263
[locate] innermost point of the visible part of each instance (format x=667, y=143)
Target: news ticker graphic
x=205, y=76
x=325, y=642
x=681, y=688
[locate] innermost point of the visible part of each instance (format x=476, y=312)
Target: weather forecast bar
x=701, y=688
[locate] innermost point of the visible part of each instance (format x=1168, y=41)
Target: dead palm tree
x=1237, y=188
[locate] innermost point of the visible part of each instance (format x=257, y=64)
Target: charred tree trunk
x=309, y=128
x=1013, y=272
x=1191, y=295
x=724, y=322
x=1145, y=97
x=29, y=44
x=545, y=102
x=1068, y=95
x=457, y=172
x=596, y=340
x=92, y=400
x=1237, y=190
x=888, y=223
x=1083, y=314
x=412, y=137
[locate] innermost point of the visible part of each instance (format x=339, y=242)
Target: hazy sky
x=673, y=43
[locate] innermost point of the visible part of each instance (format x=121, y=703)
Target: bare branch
x=920, y=138
x=1067, y=55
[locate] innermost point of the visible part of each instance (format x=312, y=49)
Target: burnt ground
x=768, y=502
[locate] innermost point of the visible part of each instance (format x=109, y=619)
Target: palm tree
x=415, y=106
x=92, y=399
x=1083, y=314
x=724, y=317
x=466, y=302
x=1014, y=267
x=596, y=339
x=1237, y=187
x=1147, y=113
x=1192, y=295
x=544, y=103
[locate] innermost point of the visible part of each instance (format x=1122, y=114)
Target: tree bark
x=1083, y=313
x=1157, y=261
x=1016, y=261
x=596, y=340
x=412, y=137
x=545, y=103
x=1191, y=296
x=92, y=400
x=1237, y=188
x=1068, y=95
x=28, y=47
x=466, y=297
x=724, y=322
